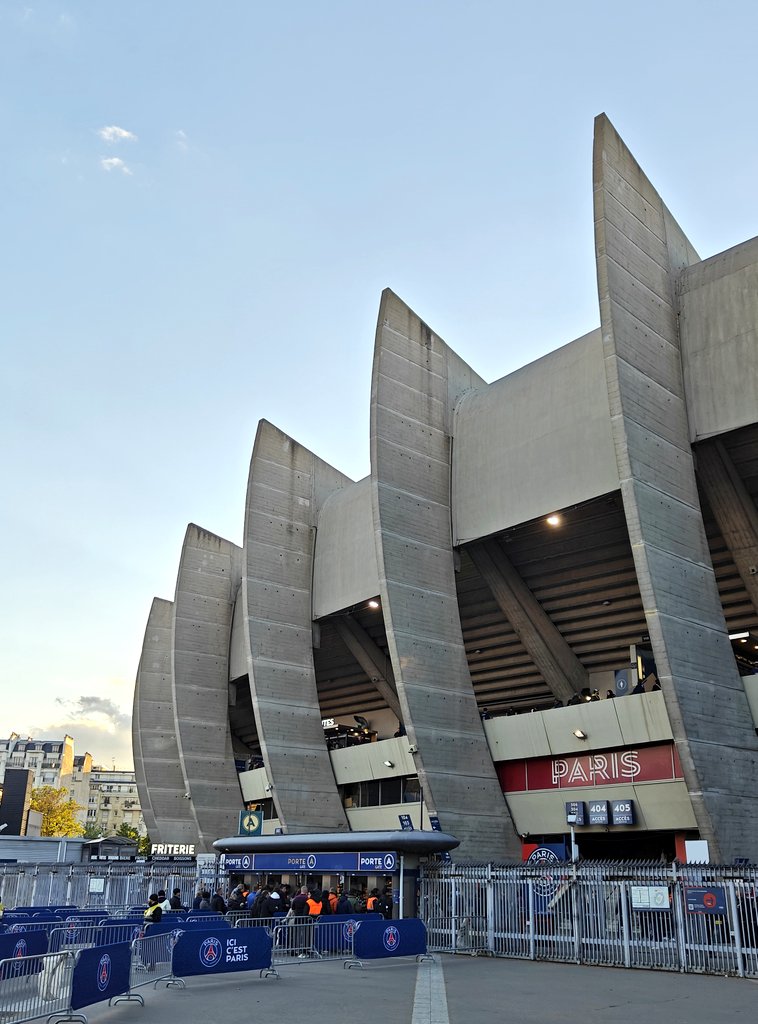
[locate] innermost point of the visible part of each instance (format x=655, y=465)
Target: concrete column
x=371, y=658
x=160, y=781
x=734, y=510
x=203, y=606
x=556, y=662
x=286, y=489
x=416, y=381
x=640, y=253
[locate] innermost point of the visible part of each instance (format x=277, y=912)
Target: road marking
x=430, y=999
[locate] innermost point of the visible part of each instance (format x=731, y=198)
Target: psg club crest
x=20, y=948
x=391, y=938
x=349, y=928
x=104, y=972
x=210, y=952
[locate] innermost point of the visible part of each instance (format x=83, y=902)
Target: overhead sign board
x=250, y=823
x=575, y=809
x=363, y=863
x=622, y=812
x=598, y=813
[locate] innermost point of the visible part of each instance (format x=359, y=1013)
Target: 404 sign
x=598, y=812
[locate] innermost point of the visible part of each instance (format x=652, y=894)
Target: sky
x=202, y=204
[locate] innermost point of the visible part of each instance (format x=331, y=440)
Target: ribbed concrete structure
x=515, y=544
x=641, y=252
x=416, y=382
x=286, y=489
x=160, y=781
x=203, y=607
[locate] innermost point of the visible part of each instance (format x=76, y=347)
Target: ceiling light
x=553, y=520
x=373, y=603
x=743, y=640
x=389, y=764
x=739, y=636
x=580, y=735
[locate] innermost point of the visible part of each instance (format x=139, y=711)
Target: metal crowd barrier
x=83, y=936
x=300, y=939
x=36, y=986
x=151, y=960
x=693, y=918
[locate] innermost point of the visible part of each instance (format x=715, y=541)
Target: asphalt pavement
x=452, y=990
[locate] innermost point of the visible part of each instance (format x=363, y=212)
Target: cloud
x=181, y=140
x=97, y=725
x=112, y=133
x=87, y=707
x=114, y=163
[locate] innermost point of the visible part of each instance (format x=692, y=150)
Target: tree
x=93, y=832
x=128, y=831
x=58, y=813
x=143, y=842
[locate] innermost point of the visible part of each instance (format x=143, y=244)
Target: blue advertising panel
x=376, y=940
x=219, y=951
x=384, y=862
x=704, y=899
x=314, y=862
x=238, y=862
x=18, y=944
x=545, y=885
x=100, y=974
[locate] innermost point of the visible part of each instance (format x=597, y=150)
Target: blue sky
x=202, y=203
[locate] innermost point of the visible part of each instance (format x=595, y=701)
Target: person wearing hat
x=154, y=911
x=176, y=900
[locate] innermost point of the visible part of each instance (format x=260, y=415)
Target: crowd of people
x=266, y=901
x=586, y=696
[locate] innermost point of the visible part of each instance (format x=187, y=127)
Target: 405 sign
x=622, y=812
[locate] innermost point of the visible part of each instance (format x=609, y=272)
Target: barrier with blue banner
x=376, y=940
x=219, y=951
x=100, y=973
x=15, y=945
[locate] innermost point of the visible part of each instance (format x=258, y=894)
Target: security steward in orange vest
x=315, y=902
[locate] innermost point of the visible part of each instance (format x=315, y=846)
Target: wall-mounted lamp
x=580, y=735
x=553, y=520
x=373, y=603
x=389, y=764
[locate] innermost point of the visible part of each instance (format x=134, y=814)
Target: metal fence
x=95, y=885
x=697, y=918
x=36, y=986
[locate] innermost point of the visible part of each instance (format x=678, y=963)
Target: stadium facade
x=413, y=643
